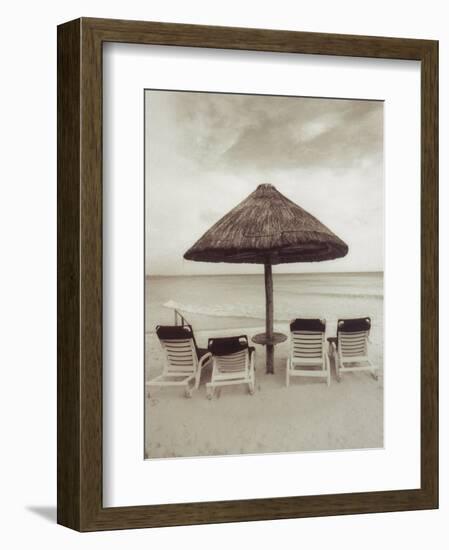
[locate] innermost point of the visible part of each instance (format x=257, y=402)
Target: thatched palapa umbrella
x=267, y=228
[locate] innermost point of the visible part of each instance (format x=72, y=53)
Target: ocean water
x=238, y=301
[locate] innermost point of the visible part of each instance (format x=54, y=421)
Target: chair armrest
x=332, y=346
x=252, y=355
x=204, y=359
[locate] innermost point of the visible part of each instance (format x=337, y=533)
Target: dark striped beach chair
x=183, y=360
x=232, y=363
x=308, y=356
x=351, y=348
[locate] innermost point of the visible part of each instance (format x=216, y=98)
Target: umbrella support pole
x=269, y=317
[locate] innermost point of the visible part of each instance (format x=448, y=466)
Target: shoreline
x=214, y=302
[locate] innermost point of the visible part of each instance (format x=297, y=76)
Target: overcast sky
x=206, y=152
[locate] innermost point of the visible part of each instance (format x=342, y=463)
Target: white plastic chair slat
x=360, y=345
x=308, y=348
x=308, y=332
x=301, y=361
x=353, y=341
x=306, y=341
x=183, y=353
x=231, y=357
x=239, y=364
x=297, y=344
x=238, y=370
x=307, y=338
x=184, y=345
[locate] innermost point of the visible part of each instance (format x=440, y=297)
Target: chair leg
x=328, y=368
x=198, y=374
x=252, y=382
x=337, y=366
x=209, y=391
x=197, y=379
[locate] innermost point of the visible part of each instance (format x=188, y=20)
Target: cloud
x=241, y=133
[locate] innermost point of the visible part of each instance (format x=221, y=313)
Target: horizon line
x=261, y=274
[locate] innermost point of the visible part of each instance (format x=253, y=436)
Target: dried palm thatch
x=267, y=226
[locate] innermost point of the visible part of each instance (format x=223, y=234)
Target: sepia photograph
x=264, y=263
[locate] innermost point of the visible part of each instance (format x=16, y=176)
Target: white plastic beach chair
x=232, y=363
x=183, y=359
x=351, y=348
x=308, y=355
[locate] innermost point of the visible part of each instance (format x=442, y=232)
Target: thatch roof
x=267, y=226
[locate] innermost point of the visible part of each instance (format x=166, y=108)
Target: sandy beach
x=307, y=416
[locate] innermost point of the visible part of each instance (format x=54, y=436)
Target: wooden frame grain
x=80, y=273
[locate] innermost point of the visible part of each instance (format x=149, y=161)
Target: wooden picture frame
x=80, y=504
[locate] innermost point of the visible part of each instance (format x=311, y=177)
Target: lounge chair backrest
x=226, y=346
x=352, y=336
x=230, y=354
x=179, y=347
x=307, y=338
